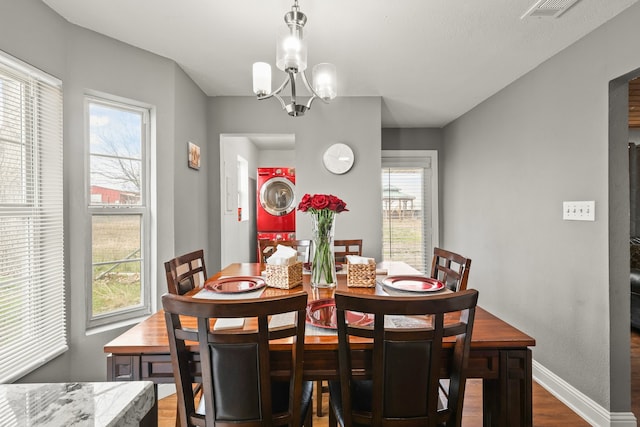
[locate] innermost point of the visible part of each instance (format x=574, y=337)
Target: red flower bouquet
x=319, y=202
x=323, y=208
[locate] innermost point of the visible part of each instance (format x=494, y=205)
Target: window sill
x=115, y=325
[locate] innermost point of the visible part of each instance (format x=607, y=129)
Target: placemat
x=316, y=331
x=228, y=323
x=408, y=322
x=285, y=319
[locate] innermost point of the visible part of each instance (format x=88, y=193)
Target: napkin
x=228, y=323
x=284, y=255
x=282, y=319
x=355, y=259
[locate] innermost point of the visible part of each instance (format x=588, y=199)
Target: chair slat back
x=451, y=269
x=342, y=248
x=235, y=364
x=407, y=356
x=186, y=272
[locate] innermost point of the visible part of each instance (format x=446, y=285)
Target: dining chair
x=235, y=369
x=186, y=272
x=451, y=269
x=342, y=248
x=405, y=387
x=268, y=247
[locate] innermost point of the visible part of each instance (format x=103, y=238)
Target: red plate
x=322, y=313
x=234, y=285
x=413, y=283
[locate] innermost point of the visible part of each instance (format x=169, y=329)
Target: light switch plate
x=579, y=211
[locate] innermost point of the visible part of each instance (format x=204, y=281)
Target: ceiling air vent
x=548, y=8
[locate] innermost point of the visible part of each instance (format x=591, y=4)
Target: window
x=409, y=207
x=32, y=301
x=118, y=135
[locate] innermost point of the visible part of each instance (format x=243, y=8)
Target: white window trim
x=425, y=159
x=115, y=319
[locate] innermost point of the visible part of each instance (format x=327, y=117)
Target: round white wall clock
x=338, y=158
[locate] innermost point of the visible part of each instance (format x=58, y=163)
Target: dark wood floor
x=547, y=410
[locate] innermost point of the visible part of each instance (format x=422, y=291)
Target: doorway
x=238, y=191
x=634, y=234
x=619, y=237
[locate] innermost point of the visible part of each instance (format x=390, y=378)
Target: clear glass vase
x=323, y=263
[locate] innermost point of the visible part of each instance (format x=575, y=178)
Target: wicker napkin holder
x=284, y=276
x=361, y=275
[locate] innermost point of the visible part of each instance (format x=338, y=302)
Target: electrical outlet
x=579, y=211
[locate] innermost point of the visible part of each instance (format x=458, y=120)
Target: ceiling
x=430, y=61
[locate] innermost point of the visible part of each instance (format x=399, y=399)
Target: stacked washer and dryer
x=276, y=204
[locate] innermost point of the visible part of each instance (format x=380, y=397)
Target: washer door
x=277, y=196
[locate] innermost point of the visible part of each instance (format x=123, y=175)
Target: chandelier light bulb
x=291, y=53
x=261, y=78
x=324, y=81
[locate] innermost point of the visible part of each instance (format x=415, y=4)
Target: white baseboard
x=581, y=404
x=165, y=390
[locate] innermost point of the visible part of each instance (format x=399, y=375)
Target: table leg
x=123, y=368
x=507, y=400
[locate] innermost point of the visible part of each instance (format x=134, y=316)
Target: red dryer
x=276, y=201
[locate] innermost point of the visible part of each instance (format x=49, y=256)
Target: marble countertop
x=75, y=404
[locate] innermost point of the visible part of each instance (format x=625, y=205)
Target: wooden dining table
x=500, y=354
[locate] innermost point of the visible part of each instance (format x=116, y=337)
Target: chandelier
x=291, y=57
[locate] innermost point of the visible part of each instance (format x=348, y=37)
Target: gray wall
x=354, y=121
x=43, y=44
x=191, y=189
x=412, y=139
x=276, y=158
x=84, y=60
x=515, y=158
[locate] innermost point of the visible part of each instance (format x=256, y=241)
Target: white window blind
x=32, y=300
x=409, y=195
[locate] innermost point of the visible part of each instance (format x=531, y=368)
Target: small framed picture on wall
x=194, y=156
